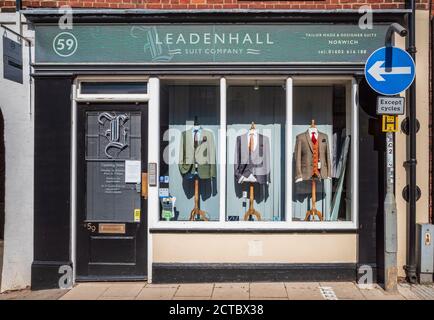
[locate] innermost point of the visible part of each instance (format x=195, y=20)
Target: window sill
x=253, y=230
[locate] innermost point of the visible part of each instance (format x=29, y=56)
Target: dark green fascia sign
x=205, y=43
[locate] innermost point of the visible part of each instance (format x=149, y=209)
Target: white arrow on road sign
x=376, y=71
x=391, y=81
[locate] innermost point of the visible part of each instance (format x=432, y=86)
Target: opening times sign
x=223, y=43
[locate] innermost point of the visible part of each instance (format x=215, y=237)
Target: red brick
x=179, y=6
x=217, y=4
x=154, y=6
x=125, y=6
x=203, y=6
x=102, y=5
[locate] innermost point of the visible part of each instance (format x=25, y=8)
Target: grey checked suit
x=257, y=163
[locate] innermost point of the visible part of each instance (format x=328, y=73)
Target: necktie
x=251, y=143
x=315, y=156
x=314, y=140
x=196, y=138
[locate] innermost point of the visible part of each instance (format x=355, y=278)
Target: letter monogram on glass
x=117, y=133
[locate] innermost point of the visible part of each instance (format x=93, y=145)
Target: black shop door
x=111, y=192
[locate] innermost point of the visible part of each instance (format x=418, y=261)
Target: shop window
x=255, y=152
x=275, y=153
x=321, y=136
x=190, y=122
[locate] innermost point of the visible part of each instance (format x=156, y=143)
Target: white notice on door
x=132, y=171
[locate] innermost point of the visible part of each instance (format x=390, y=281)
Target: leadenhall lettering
x=214, y=38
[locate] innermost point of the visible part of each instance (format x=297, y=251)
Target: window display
x=319, y=167
x=188, y=172
x=285, y=162
x=255, y=144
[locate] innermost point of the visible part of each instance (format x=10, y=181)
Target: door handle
x=145, y=185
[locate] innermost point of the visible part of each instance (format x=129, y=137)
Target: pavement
x=226, y=291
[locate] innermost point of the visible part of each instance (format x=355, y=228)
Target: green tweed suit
x=204, y=155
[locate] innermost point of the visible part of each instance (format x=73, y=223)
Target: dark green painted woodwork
x=207, y=43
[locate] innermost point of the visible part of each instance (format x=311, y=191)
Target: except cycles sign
x=390, y=105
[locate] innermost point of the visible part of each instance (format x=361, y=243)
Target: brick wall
x=8, y=5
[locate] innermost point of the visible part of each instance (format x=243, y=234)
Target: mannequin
x=251, y=137
x=197, y=158
x=252, y=157
x=304, y=154
x=252, y=145
x=197, y=161
x=312, y=158
x=312, y=129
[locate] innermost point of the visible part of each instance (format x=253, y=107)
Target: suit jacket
x=204, y=155
x=257, y=164
x=304, y=153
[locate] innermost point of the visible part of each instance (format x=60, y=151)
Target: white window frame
x=99, y=97
x=287, y=224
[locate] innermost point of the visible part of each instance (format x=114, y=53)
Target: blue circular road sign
x=389, y=71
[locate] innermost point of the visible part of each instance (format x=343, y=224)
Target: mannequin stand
x=252, y=211
x=196, y=212
x=313, y=212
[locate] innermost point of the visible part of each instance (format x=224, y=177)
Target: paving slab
x=268, y=290
x=344, y=290
x=265, y=298
x=115, y=298
x=380, y=294
x=124, y=290
x=27, y=294
x=14, y=295
x=191, y=298
x=224, y=291
x=195, y=290
x=407, y=291
x=53, y=294
x=423, y=291
x=105, y=284
x=157, y=293
x=88, y=292
x=231, y=291
x=162, y=285
x=303, y=291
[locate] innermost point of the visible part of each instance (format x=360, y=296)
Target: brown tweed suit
x=304, y=156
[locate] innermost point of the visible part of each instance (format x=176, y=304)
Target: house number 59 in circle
x=65, y=44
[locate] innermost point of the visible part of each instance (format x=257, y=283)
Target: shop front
x=207, y=147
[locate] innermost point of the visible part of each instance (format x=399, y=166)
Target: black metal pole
x=18, y=5
x=411, y=162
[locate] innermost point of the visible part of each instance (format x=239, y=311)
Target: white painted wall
x=19, y=138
